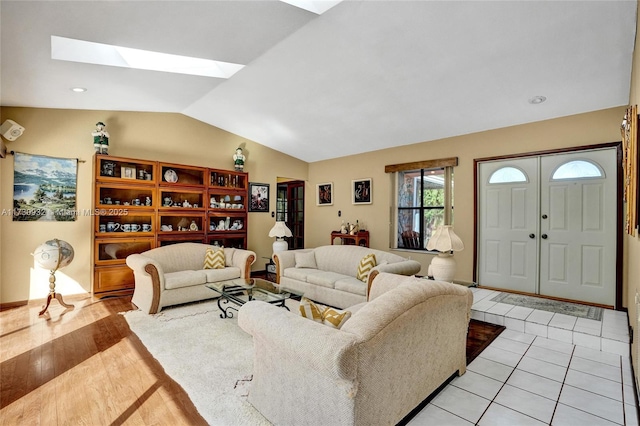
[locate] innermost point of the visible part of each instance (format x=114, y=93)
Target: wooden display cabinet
x=151, y=194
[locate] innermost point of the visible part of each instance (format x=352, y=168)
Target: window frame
x=447, y=165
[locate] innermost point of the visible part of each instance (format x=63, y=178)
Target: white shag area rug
x=210, y=357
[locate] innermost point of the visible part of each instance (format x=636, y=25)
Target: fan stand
x=54, y=295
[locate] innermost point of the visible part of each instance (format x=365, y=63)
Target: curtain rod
x=77, y=159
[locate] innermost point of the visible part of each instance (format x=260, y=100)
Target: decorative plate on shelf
x=171, y=176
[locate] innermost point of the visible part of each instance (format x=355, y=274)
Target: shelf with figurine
x=177, y=174
x=181, y=223
x=136, y=197
x=174, y=198
x=219, y=223
x=219, y=201
x=119, y=169
x=131, y=224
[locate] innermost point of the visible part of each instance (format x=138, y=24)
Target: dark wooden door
x=290, y=209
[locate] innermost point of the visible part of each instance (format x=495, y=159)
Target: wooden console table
x=360, y=239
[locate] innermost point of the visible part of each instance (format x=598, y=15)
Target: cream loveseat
x=327, y=274
x=174, y=274
x=392, y=353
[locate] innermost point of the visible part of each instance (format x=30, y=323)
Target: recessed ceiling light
x=537, y=100
x=78, y=89
x=68, y=49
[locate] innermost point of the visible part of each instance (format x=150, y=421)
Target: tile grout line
x=557, y=401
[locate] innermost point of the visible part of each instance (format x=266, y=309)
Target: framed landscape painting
x=361, y=191
x=324, y=194
x=44, y=188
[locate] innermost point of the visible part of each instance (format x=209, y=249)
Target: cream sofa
x=331, y=279
x=392, y=353
x=174, y=274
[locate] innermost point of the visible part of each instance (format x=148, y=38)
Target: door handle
x=544, y=216
x=544, y=236
x=532, y=235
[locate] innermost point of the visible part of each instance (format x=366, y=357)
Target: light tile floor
x=611, y=334
x=544, y=368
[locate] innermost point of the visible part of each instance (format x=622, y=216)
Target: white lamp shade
x=280, y=230
x=445, y=240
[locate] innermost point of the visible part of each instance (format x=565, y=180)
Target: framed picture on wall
x=259, y=197
x=361, y=191
x=324, y=194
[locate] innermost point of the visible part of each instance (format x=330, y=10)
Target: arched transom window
x=508, y=175
x=577, y=169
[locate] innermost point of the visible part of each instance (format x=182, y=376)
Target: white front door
x=508, y=250
x=578, y=226
x=547, y=225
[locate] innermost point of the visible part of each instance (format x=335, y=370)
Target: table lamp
x=280, y=231
x=444, y=240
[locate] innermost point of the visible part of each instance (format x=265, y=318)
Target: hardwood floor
x=83, y=366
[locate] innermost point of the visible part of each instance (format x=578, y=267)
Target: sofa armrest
x=149, y=282
x=407, y=267
x=243, y=259
x=283, y=260
x=288, y=336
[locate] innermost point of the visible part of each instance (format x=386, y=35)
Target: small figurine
x=193, y=226
x=238, y=160
x=353, y=229
x=343, y=228
x=100, y=139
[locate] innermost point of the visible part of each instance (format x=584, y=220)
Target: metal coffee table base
x=227, y=305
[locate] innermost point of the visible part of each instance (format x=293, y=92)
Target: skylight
x=316, y=6
x=68, y=49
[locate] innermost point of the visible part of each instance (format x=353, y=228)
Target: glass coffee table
x=237, y=292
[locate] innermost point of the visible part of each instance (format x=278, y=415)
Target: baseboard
x=12, y=305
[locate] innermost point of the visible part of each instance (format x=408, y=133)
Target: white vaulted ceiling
x=365, y=75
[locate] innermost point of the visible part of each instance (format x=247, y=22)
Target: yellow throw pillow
x=214, y=258
x=366, y=264
x=323, y=314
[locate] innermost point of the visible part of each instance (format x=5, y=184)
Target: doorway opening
x=290, y=209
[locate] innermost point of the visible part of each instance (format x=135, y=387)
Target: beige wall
x=580, y=130
x=179, y=139
x=157, y=136
x=632, y=244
